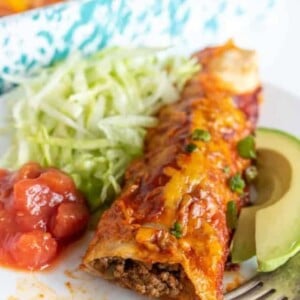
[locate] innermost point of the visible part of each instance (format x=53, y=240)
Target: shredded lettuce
x=88, y=115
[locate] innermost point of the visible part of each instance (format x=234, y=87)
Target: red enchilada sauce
x=40, y=212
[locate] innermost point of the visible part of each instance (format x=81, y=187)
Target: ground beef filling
x=155, y=280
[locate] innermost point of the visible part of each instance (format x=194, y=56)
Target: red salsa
x=40, y=212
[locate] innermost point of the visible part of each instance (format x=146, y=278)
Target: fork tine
x=248, y=286
x=258, y=294
x=280, y=284
x=277, y=296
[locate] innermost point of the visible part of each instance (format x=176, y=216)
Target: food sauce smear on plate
x=40, y=212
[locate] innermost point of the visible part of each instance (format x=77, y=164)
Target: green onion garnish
x=231, y=214
x=176, y=230
x=226, y=170
x=237, y=183
x=201, y=135
x=190, y=148
x=246, y=147
x=251, y=173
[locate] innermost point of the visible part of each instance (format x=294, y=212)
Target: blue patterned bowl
x=43, y=36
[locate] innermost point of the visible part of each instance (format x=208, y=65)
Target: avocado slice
x=269, y=187
x=277, y=226
x=271, y=228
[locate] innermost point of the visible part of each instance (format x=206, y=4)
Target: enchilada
x=167, y=235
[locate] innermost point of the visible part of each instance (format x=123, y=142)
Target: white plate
x=65, y=282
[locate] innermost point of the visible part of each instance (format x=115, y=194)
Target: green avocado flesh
x=269, y=188
x=271, y=228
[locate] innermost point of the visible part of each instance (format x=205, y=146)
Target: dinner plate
x=64, y=281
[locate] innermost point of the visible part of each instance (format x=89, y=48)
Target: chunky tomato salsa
x=40, y=212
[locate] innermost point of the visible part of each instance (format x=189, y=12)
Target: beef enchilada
x=167, y=235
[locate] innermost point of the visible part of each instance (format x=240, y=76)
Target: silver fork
x=281, y=284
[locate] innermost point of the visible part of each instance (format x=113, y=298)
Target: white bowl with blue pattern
x=41, y=37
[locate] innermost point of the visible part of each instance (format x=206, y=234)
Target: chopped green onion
x=237, y=183
x=231, y=214
x=251, y=173
x=176, y=230
x=201, y=135
x=246, y=147
x=226, y=170
x=190, y=148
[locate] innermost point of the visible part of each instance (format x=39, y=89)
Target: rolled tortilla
x=166, y=234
